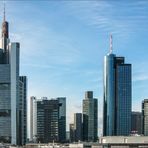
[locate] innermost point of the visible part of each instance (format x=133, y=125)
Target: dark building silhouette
x=51, y=120
x=136, y=123
x=78, y=127
x=72, y=132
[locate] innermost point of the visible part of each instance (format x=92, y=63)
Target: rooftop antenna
x=4, y=13
x=111, y=44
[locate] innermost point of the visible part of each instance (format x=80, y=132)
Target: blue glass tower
x=117, y=96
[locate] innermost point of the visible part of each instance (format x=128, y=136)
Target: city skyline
x=69, y=56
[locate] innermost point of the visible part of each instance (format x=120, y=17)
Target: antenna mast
x=4, y=13
x=111, y=44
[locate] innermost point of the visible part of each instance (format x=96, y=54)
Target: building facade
x=78, y=127
x=117, y=96
x=72, y=132
x=90, y=117
x=23, y=109
x=136, y=123
x=33, y=119
x=48, y=120
x=62, y=119
x=145, y=117
x=12, y=91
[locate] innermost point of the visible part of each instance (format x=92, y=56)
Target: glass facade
x=123, y=99
x=117, y=96
x=90, y=117
x=12, y=92
x=109, y=96
x=145, y=116
x=62, y=119
x=51, y=120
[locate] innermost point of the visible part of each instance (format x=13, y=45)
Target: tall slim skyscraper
x=72, y=132
x=62, y=118
x=78, y=127
x=145, y=117
x=33, y=118
x=12, y=91
x=23, y=109
x=117, y=95
x=90, y=117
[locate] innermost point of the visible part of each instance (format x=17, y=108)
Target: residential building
x=90, y=117
x=117, y=95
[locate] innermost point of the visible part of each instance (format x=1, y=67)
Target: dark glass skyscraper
x=50, y=119
x=78, y=127
x=117, y=96
x=136, y=123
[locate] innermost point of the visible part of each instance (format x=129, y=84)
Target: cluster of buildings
x=48, y=120
x=85, y=126
x=48, y=116
x=13, y=92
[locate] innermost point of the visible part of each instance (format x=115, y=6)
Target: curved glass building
x=117, y=96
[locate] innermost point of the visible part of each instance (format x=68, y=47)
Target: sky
x=63, y=44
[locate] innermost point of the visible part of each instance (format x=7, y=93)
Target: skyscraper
x=62, y=118
x=136, y=123
x=23, y=109
x=13, y=91
x=72, y=132
x=117, y=95
x=50, y=119
x=145, y=117
x=78, y=127
x=90, y=117
x=33, y=118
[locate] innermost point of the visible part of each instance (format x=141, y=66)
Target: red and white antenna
x=111, y=44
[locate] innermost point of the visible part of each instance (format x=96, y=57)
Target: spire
x=4, y=14
x=5, y=25
x=111, y=44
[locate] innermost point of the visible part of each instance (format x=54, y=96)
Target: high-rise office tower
x=12, y=91
x=62, y=119
x=23, y=109
x=90, y=117
x=78, y=127
x=51, y=120
x=136, y=123
x=72, y=132
x=33, y=118
x=145, y=117
x=117, y=95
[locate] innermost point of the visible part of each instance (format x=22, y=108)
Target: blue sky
x=63, y=44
